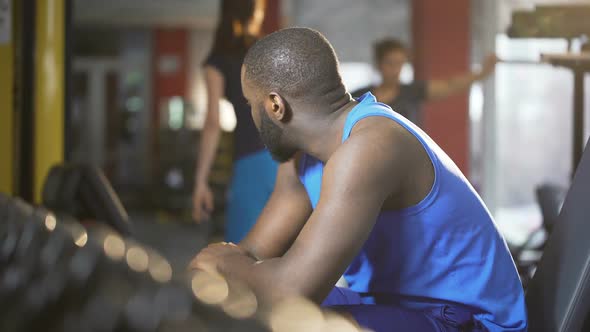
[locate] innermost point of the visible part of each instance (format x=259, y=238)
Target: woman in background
x=254, y=170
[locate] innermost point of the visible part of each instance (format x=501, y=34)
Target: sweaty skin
x=294, y=250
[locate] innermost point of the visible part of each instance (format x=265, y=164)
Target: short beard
x=272, y=136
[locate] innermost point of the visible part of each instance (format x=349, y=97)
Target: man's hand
x=488, y=66
x=203, y=202
x=210, y=258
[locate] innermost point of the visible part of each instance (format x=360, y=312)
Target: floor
x=177, y=240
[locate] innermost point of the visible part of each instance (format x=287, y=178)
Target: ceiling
x=193, y=13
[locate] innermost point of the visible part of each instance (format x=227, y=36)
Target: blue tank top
x=444, y=250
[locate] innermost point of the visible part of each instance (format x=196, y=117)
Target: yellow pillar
x=49, y=89
x=7, y=99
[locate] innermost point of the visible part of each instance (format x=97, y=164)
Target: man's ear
x=276, y=107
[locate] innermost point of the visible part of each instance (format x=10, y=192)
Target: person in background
x=254, y=171
x=406, y=99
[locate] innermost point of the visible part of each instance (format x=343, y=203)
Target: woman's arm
x=202, y=196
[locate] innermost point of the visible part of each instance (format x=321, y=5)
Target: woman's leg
x=250, y=188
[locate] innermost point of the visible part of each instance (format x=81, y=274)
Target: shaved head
x=295, y=62
x=291, y=80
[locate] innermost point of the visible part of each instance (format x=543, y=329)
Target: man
x=406, y=99
x=395, y=216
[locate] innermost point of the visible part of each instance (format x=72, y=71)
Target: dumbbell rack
x=55, y=276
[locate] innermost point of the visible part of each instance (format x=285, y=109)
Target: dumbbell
x=4, y=201
x=73, y=281
x=22, y=235
x=18, y=254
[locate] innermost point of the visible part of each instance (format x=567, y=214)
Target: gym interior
x=106, y=198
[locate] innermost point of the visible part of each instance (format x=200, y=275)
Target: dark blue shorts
x=385, y=318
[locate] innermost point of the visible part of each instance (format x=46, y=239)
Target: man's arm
x=283, y=216
x=356, y=181
x=438, y=89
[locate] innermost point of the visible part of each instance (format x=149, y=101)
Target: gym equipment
x=566, y=21
x=551, y=21
x=550, y=198
x=82, y=191
x=558, y=296
x=56, y=277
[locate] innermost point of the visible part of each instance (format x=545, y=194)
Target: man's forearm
x=262, y=277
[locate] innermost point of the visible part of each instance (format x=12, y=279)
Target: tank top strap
x=360, y=112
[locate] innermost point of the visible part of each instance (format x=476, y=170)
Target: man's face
x=271, y=134
x=391, y=65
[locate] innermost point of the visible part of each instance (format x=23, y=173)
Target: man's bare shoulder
x=380, y=139
x=378, y=152
x=382, y=154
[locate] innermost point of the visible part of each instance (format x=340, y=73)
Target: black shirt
x=407, y=102
x=246, y=139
